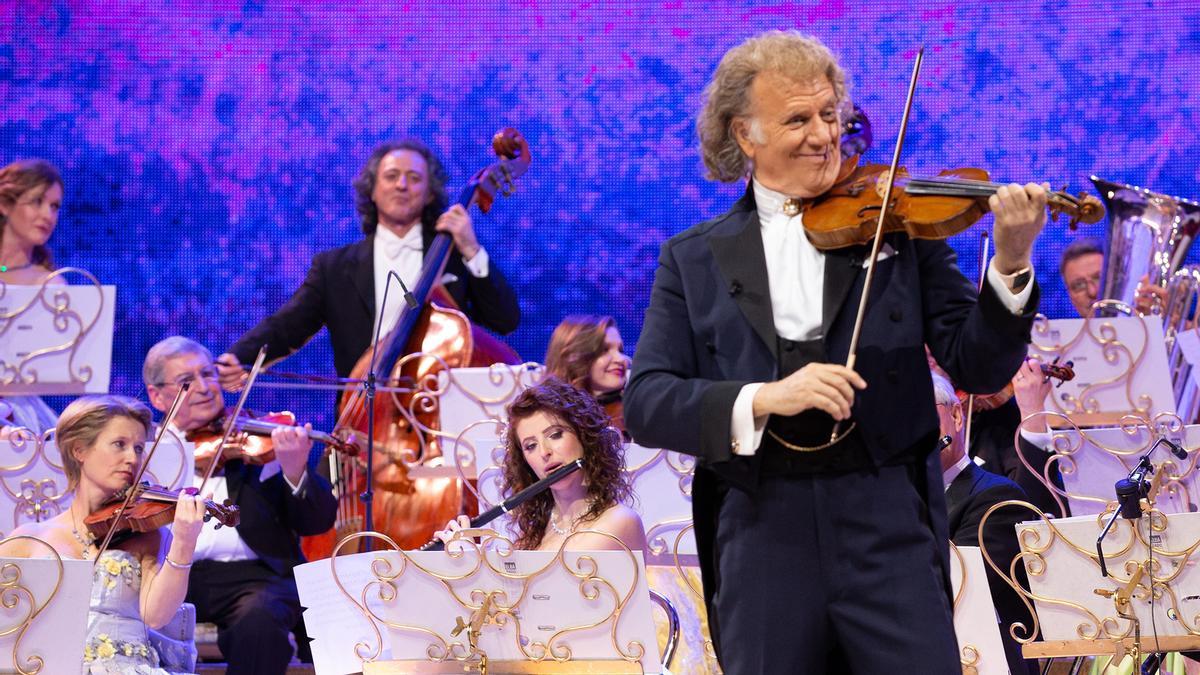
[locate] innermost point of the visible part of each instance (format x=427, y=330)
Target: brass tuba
x=1148, y=237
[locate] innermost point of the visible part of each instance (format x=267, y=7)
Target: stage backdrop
x=208, y=147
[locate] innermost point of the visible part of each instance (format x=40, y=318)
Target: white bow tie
x=393, y=249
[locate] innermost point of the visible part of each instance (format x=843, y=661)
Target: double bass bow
x=430, y=334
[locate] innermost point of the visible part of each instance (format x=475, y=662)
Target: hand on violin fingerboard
x=292, y=446
x=1020, y=214
x=185, y=529
x=230, y=372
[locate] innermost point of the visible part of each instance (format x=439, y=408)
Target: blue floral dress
x=118, y=641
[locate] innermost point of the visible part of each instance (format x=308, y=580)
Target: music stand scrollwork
x=477, y=555
x=17, y=598
x=71, y=326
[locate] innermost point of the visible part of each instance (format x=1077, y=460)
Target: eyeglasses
x=209, y=374
x=1082, y=284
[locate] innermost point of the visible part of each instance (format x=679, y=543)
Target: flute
x=514, y=501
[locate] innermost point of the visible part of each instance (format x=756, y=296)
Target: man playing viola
x=400, y=194
x=811, y=547
x=242, y=578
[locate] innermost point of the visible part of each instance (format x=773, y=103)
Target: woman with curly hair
x=550, y=425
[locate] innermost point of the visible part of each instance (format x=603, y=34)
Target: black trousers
x=254, y=608
x=834, y=573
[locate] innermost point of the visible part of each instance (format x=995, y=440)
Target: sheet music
x=335, y=624
x=77, y=339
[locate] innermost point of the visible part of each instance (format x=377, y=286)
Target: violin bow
x=232, y=421
x=132, y=490
x=983, y=260
x=884, y=212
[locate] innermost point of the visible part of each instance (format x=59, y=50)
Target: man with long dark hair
x=400, y=195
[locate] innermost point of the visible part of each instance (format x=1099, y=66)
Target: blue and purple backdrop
x=208, y=147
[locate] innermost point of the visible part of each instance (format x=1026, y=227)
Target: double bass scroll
x=434, y=335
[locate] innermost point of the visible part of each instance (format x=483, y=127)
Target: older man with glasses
x=242, y=577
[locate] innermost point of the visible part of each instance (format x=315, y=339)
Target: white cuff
x=745, y=429
x=478, y=266
x=298, y=485
x=1014, y=302
x=1040, y=439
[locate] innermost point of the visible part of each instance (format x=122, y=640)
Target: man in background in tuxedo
x=970, y=492
x=400, y=196
x=242, y=579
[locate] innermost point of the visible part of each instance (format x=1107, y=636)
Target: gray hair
x=165, y=350
x=727, y=96
x=943, y=391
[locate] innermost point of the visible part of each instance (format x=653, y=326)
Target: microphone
x=944, y=442
x=735, y=287
x=409, y=298
x=1175, y=448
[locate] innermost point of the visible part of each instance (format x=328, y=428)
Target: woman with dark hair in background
x=31, y=195
x=587, y=352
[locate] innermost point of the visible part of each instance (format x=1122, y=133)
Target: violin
x=152, y=507
x=924, y=208
x=614, y=405
x=1064, y=372
x=256, y=447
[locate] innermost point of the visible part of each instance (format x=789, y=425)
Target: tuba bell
x=1148, y=237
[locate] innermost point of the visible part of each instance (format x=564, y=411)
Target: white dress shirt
x=950, y=474
x=405, y=255
x=796, y=280
x=226, y=544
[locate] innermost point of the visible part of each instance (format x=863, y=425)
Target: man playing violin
x=400, y=194
x=242, y=578
x=811, y=546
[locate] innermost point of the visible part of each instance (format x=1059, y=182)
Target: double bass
x=429, y=335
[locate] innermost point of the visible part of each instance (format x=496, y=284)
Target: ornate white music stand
x=33, y=486
x=481, y=603
x=1120, y=365
x=54, y=338
x=43, y=618
x=1150, y=603
x=979, y=647
x=1091, y=461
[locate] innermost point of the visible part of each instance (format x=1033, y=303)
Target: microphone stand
x=1132, y=489
x=368, y=495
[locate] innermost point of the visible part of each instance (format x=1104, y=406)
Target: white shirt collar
x=392, y=244
x=769, y=203
x=950, y=474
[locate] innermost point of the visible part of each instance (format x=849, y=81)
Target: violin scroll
x=1083, y=208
